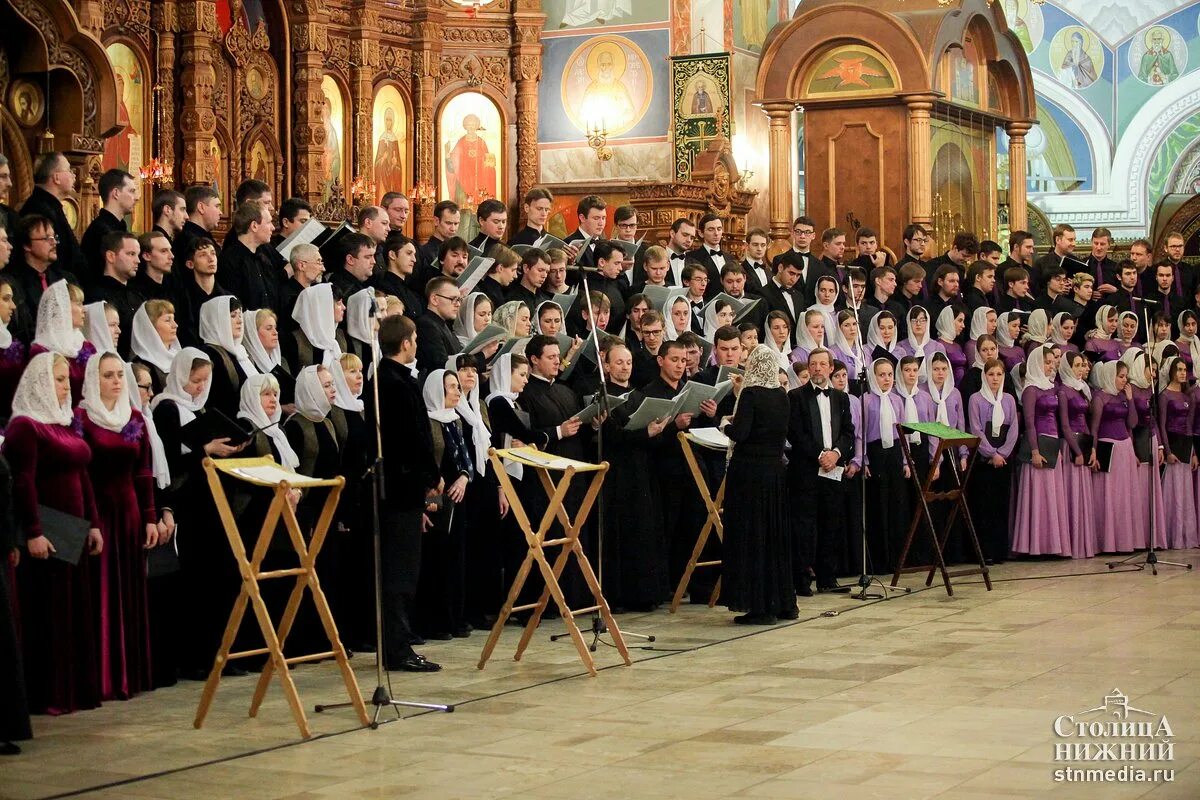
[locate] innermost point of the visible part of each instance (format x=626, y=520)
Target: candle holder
x=597, y=139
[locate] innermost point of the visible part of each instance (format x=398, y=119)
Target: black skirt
x=757, y=551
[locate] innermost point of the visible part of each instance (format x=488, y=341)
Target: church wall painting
x=334, y=161
x=1158, y=56
x=470, y=155
x=261, y=166
x=1077, y=57
x=752, y=21
x=129, y=149
x=849, y=70
x=389, y=134
x=580, y=14
x=1026, y=21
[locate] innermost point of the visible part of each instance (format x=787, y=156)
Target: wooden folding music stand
x=949, y=440
x=544, y=464
x=715, y=505
x=265, y=473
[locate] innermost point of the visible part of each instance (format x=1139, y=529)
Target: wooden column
x=1017, y=165
x=164, y=18
x=780, y=142
x=197, y=120
x=310, y=42
x=526, y=55
x=91, y=16
x=426, y=59
x=364, y=43
x=920, y=164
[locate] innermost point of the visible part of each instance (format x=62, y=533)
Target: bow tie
x=712, y=252
x=822, y=392
x=678, y=256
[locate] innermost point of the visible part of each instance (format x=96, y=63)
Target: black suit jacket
x=804, y=429
x=435, y=342
x=70, y=256
x=408, y=465
x=773, y=295
x=104, y=223
x=701, y=256
x=526, y=235
x=191, y=231
x=810, y=267
x=754, y=286
x=247, y=275
x=125, y=299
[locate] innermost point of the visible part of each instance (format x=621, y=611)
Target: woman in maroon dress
x=12, y=352
x=49, y=464
x=60, y=330
x=123, y=480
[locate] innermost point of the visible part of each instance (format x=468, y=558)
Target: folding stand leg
x=711, y=523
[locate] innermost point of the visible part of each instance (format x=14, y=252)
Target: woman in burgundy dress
x=123, y=480
x=60, y=330
x=49, y=464
x=13, y=353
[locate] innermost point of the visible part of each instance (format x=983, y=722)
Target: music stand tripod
x=381, y=698
x=1150, y=559
x=598, y=626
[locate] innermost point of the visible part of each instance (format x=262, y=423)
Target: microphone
x=1147, y=301
x=579, y=268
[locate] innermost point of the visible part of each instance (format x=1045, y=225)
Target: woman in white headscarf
x=1074, y=396
x=222, y=330
x=1120, y=508
x=677, y=314
x=154, y=340
x=312, y=433
x=950, y=324
x=983, y=322
x=882, y=334
x=1040, y=524
x=847, y=349
x=810, y=335
x=1008, y=330
x=717, y=314
x=1127, y=330
x=919, y=343
x=262, y=342
x=208, y=576
x=56, y=599
x=317, y=339
x=60, y=322
x=884, y=466
x=1146, y=442
x=123, y=479
x=992, y=416
x=1177, y=425
x=757, y=563
x=441, y=597
x=259, y=406
x=1188, y=341
x=102, y=326
x=13, y=353
x=1102, y=337
x=361, y=324
x=1062, y=330
x=474, y=315
x=1037, y=331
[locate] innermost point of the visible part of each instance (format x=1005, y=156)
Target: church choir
x=1084, y=406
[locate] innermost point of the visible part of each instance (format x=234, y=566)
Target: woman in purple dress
x=992, y=416
x=13, y=353
x=828, y=293
x=1177, y=420
x=1127, y=330
x=918, y=342
x=1008, y=328
x=1037, y=330
x=1100, y=338
x=1188, y=341
x=918, y=407
x=1146, y=444
x=1073, y=397
x=60, y=330
x=882, y=335
x=1062, y=331
x=846, y=348
x=123, y=480
x=1120, y=521
x=809, y=336
x=49, y=463
x=884, y=466
x=1040, y=525
x=946, y=407
x=950, y=324
x=983, y=322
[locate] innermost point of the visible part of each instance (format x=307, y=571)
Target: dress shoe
x=439, y=636
x=416, y=663
x=828, y=586
x=804, y=588
x=463, y=631
x=790, y=613
x=754, y=619
x=9, y=749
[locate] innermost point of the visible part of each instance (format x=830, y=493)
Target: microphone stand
x=381, y=698
x=598, y=626
x=1150, y=559
x=865, y=579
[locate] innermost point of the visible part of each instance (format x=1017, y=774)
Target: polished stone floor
x=923, y=695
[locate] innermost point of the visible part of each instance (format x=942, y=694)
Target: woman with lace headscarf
x=757, y=550
x=1102, y=338
x=1177, y=424
x=49, y=462
x=60, y=322
x=122, y=473
x=1146, y=443
x=1121, y=524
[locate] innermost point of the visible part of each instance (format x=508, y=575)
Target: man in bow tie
x=683, y=233
x=709, y=254
x=754, y=265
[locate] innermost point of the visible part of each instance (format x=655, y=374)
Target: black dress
x=758, y=561
x=14, y=708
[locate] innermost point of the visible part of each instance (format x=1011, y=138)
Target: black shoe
x=790, y=613
x=463, y=631
x=9, y=749
x=359, y=647
x=440, y=636
x=754, y=619
x=416, y=640
x=416, y=663
x=804, y=588
x=828, y=586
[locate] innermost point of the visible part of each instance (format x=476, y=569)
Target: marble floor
x=922, y=695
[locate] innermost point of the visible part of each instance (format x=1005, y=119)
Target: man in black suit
x=733, y=283
x=121, y=255
x=625, y=228
x=962, y=251
x=169, y=211
x=358, y=264
x=155, y=280
x=446, y=216
x=54, y=181
x=683, y=233
x=373, y=223
x=870, y=255
x=538, y=202
x=592, y=214
x=204, y=213
x=915, y=239
x=754, y=265
x=911, y=278
x=803, y=232
x=32, y=268
x=833, y=250
x=493, y=222
x=119, y=194
x=8, y=217
x=981, y=283
x=1064, y=247
x=1054, y=298
x=1186, y=275
x=1105, y=270
x=709, y=254
x=1016, y=295
x=945, y=292
x=241, y=269
x=411, y=476
x=535, y=266
x=821, y=434
x=1163, y=296
x=781, y=294
x=437, y=341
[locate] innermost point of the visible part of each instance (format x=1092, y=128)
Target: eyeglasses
x=455, y=300
x=803, y=231
x=54, y=239
x=652, y=332
x=147, y=387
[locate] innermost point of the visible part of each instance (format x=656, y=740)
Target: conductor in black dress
x=757, y=546
x=822, y=437
x=410, y=477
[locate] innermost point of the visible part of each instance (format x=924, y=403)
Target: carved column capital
x=779, y=180
x=197, y=119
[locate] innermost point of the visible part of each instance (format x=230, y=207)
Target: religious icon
x=1158, y=57
x=332, y=120
x=125, y=150
x=256, y=83
x=1026, y=21
x=852, y=69
x=582, y=12
x=390, y=126
x=701, y=102
x=607, y=84
x=216, y=163
x=470, y=165
x=262, y=167
x=26, y=103
x=1076, y=57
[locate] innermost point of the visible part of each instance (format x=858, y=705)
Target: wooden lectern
x=265, y=473
x=544, y=464
x=714, y=505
